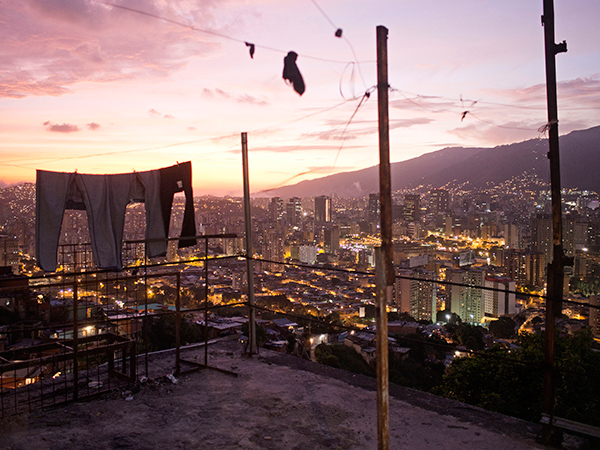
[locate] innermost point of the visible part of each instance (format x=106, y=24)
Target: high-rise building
x=411, y=209
x=467, y=301
x=273, y=250
x=276, y=209
x=415, y=296
x=594, y=233
x=9, y=252
x=233, y=246
x=439, y=201
x=331, y=240
x=322, y=209
x=541, y=235
x=413, y=230
x=374, y=207
x=293, y=211
x=512, y=238
x=525, y=267
x=595, y=315
x=308, y=254
x=582, y=230
x=499, y=302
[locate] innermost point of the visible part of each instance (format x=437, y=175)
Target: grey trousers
x=104, y=198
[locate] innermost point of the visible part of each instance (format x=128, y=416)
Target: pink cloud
x=354, y=130
x=585, y=90
x=61, y=128
x=93, y=126
x=244, y=98
x=423, y=103
x=49, y=45
x=154, y=113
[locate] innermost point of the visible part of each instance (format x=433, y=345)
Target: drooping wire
x=464, y=112
x=324, y=14
x=537, y=130
x=350, y=64
x=410, y=100
x=338, y=33
x=364, y=98
x=175, y=144
x=213, y=33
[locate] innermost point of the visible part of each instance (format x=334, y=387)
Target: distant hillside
x=580, y=167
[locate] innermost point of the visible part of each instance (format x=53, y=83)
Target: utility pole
x=555, y=270
x=249, y=261
x=384, y=267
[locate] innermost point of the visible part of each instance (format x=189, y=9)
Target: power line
x=339, y=34
x=213, y=33
x=364, y=98
x=175, y=144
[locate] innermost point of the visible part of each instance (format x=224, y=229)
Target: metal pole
x=178, y=326
x=206, y=302
x=385, y=267
x=382, y=363
x=555, y=272
x=249, y=253
x=145, y=324
x=75, y=343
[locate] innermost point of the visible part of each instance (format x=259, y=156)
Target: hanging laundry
x=291, y=72
x=105, y=199
x=338, y=33
x=178, y=178
x=252, y=48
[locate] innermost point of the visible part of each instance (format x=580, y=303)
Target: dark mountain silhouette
x=580, y=168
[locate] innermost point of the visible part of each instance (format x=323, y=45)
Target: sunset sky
x=96, y=88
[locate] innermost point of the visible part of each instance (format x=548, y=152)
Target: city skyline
x=103, y=89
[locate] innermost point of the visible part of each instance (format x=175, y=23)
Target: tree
x=290, y=347
x=516, y=388
x=446, y=316
x=503, y=328
x=161, y=332
x=324, y=355
x=470, y=336
x=261, y=333
x=342, y=357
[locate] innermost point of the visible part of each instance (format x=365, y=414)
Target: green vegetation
x=261, y=333
x=8, y=317
x=503, y=328
x=424, y=367
x=160, y=334
x=470, y=336
x=341, y=356
x=516, y=389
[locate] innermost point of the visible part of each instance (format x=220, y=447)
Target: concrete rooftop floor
x=277, y=401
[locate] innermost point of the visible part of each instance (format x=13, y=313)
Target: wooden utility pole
x=385, y=184
x=382, y=362
x=249, y=261
x=555, y=270
x=384, y=267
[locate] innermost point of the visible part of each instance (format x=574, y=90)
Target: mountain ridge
x=480, y=166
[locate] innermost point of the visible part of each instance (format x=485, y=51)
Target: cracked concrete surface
x=276, y=402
